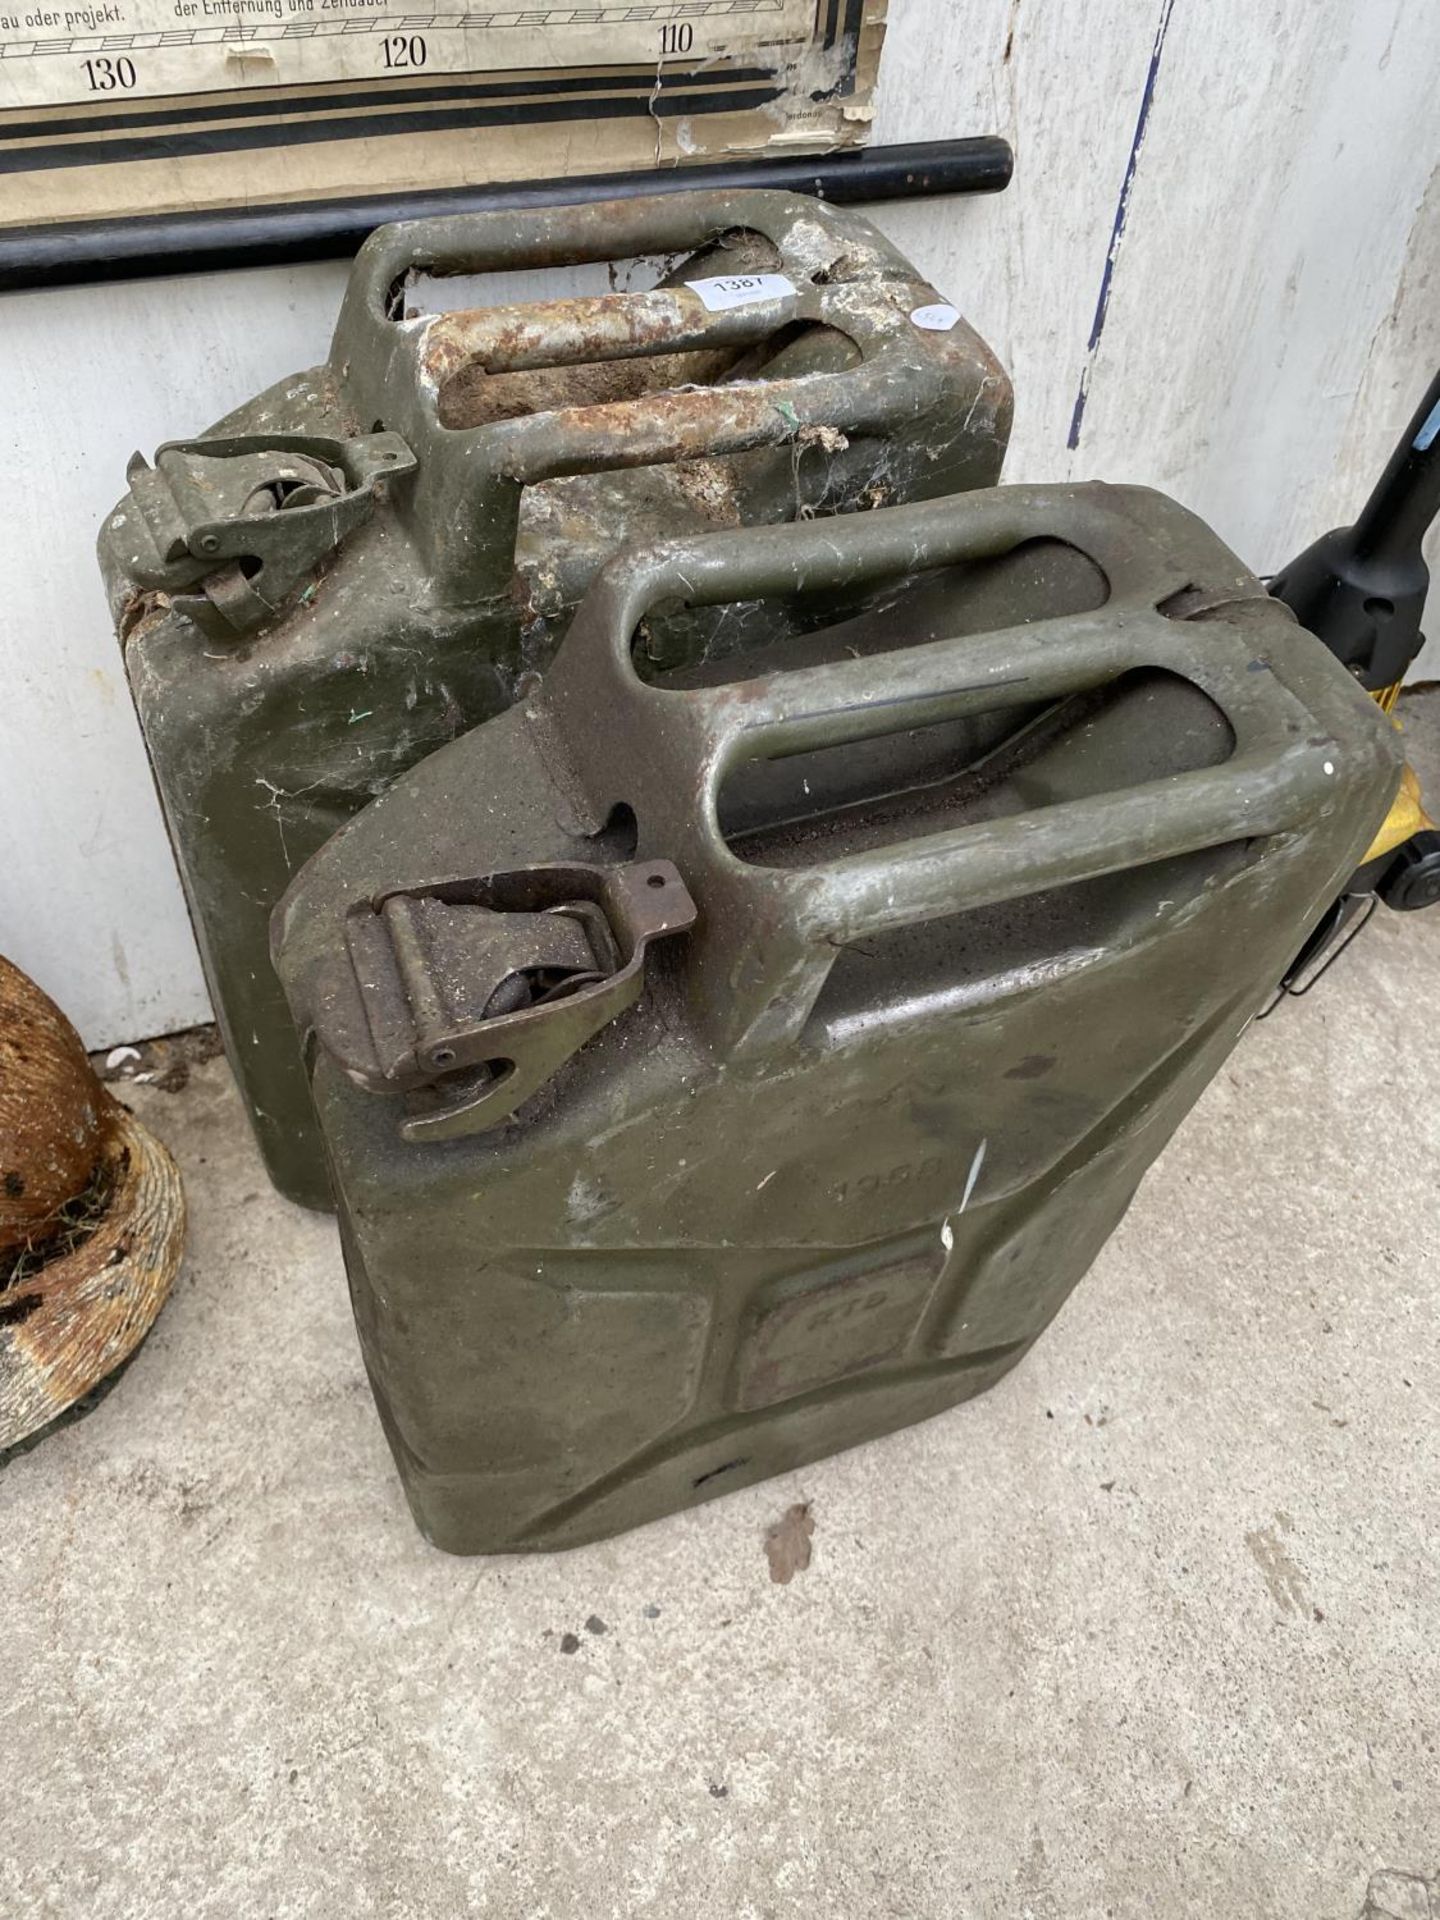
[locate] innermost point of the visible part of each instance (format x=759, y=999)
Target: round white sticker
x=938, y=319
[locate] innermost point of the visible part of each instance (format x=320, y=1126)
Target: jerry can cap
x=241, y=519
x=469, y=995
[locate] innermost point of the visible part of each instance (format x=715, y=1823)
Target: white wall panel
x=1272, y=216
x=1061, y=80
x=89, y=902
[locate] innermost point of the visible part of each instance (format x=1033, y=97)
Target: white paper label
x=939, y=319
x=728, y=290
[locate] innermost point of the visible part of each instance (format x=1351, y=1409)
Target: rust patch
x=677, y=424
x=515, y=338
x=616, y=325
x=787, y=1543
x=144, y=609
x=709, y=487
x=472, y=396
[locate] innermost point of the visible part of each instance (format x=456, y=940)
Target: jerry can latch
x=469, y=995
x=247, y=519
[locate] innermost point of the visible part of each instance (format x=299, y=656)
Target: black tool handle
x=1397, y=516
x=1361, y=590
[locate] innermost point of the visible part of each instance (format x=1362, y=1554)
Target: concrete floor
x=1154, y=1628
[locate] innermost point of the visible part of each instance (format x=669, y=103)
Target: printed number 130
x=105, y=75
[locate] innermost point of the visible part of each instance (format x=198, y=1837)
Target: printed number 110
x=678, y=36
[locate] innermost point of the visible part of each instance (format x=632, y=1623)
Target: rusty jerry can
x=724, y=1066
x=370, y=557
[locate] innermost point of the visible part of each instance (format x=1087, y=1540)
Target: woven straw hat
x=92, y=1218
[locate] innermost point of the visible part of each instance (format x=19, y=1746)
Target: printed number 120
x=405, y=50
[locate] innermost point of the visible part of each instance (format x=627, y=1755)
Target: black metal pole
x=1362, y=588
x=1397, y=516
x=75, y=253
x=1361, y=591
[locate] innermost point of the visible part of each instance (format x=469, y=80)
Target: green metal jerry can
x=721, y=1066
x=371, y=557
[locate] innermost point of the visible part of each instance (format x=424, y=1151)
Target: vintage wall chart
x=121, y=107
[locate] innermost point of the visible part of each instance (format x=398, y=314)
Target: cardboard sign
x=118, y=107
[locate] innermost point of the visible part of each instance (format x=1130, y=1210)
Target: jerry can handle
x=580, y=232
x=472, y=476
x=476, y=475
x=982, y=865
x=1265, y=788
x=1278, y=775
x=869, y=548
x=808, y=915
